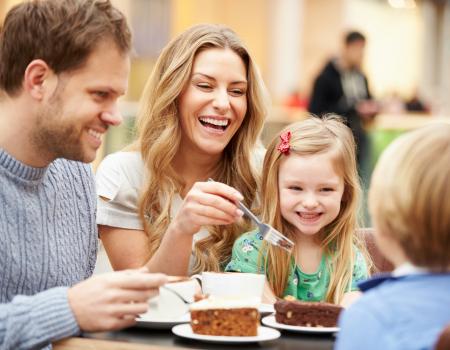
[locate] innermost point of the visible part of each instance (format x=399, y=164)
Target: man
x=342, y=88
x=63, y=65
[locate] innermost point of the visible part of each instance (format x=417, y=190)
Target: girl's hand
x=207, y=203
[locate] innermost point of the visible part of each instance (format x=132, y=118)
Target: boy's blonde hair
x=409, y=196
x=159, y=135
x=314, y=136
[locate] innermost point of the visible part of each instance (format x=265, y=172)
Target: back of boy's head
x=409, y=196
x=60, y=32
x=313, y=136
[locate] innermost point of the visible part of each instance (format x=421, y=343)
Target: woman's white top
x=120, y=179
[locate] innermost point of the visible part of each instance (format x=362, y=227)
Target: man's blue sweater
x=48, y=242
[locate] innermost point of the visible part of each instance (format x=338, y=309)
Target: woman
x=201, y=114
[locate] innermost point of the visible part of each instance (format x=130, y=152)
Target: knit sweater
x=48, y=242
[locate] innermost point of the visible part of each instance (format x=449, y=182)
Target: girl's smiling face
x=310, y=190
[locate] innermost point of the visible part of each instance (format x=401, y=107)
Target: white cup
x=168, y=305
x=233, y=284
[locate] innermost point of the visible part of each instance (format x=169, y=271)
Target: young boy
x=409, y=203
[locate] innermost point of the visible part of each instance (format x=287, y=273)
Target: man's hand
x=113, y=300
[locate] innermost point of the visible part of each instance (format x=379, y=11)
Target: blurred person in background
x=200, y=117
x=59, y=86
x=393, y=104
x=342, y=88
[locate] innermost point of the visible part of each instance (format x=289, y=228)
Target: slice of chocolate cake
x=309, y=314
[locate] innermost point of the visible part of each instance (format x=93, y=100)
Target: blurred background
x=406, y=61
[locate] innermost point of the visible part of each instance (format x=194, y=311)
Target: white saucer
x=146, y=321
x=264, y=334
x=271, y=322
x=155, y=322
x=266, y=309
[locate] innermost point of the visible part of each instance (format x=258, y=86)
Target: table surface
x=153, y=339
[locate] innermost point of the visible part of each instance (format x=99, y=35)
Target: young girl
x=310, y=193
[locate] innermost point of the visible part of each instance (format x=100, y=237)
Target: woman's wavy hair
x=308, y=137
x=159, y=135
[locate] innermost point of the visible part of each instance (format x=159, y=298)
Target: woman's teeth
x=215, y=123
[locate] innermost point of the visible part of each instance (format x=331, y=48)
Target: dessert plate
x=266, y=309
x=264, y=334
x=156, y=322
x=147, y=321
x=271, y=322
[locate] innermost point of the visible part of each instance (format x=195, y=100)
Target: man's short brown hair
x=60, y=32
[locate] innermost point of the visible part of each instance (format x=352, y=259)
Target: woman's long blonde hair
x=159, y=135
x=313, y=136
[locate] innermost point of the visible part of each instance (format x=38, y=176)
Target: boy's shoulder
x=393, y=304
x=405, y=290
x=413, y=283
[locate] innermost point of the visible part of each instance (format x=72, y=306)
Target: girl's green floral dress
x=303, y=286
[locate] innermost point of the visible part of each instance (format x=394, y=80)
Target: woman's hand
x=207, y=203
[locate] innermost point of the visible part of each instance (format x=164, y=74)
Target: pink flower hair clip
x=284, y=145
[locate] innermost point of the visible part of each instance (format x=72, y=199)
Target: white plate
x=146, y=321
x=265, y=309
x=271, y=322
x=264, y=334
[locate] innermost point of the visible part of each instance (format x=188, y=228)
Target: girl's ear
x=36, y=76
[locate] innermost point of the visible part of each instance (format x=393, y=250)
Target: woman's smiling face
x=213, y=104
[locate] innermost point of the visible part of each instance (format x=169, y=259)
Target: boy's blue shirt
x=403, y=312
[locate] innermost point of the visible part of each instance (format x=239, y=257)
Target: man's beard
x=54, y=134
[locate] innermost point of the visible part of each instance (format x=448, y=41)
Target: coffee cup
x=233, y=284
x=173, y=299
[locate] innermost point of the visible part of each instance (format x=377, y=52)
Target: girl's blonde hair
x=159, y=135
x=308, y=137
x=409, y=196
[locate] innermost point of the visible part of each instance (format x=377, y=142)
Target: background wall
x=290, y=40
x=395, y=40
